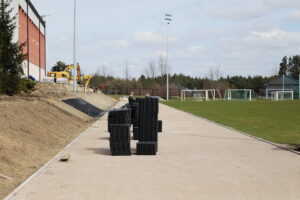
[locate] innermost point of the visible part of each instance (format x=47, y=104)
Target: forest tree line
x=154, y=77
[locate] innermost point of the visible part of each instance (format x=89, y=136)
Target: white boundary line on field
x=241, y=132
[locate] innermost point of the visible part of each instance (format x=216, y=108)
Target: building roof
x=279, y=81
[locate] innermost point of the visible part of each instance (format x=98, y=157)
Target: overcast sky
x=241, y=37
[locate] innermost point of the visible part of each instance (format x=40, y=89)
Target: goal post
x=271, y=93
x=239, y=95
x=207, y=95
x=282, y=95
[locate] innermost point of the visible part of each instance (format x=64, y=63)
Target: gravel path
x=196, y=160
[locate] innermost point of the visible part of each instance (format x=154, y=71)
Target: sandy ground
x=31, y=133
x=34, y=127
x=196, y=160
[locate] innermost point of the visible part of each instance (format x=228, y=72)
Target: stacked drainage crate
x=147, y=126
x=134, y=108
x=119, y=122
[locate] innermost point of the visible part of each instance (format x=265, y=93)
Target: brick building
x=31, y=30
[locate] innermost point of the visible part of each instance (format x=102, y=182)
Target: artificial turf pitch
x=278, y=122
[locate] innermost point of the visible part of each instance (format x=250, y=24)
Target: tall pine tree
x=11, y=58
x=294, y=69
x=283, y=66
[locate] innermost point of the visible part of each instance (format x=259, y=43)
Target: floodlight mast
x=74, y=53
x=168, y=19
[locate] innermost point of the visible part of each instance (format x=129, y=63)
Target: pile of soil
x=46, y=90
x=32, y=132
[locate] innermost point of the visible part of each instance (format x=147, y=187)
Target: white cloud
x=293, y=16
x=268, y=34
x=148, y=37
x=238, y=10
x=192, y=52
x=122, y=43
x=159, y=53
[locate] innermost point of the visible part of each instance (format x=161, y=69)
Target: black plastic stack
x=134, y=107
x=119, y=129
x=146, y=148
x=142, y=113
x=159, y=124
x=147, y=128
x=119, y=116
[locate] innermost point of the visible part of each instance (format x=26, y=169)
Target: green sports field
x=278, y=122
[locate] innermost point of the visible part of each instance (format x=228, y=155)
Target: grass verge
x=278, y=122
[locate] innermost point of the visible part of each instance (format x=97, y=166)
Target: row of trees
x=154, y=77
x=181, y=81
x=290, y=66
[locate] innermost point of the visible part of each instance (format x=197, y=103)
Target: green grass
x=278, y=122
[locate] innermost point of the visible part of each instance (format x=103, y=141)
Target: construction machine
x=66, y=72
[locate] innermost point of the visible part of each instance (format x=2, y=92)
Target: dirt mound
x=32, y=132
x=46, y=90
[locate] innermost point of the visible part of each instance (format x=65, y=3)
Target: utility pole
x=168, y=19
x=74, y=53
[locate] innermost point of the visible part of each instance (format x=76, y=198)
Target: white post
x=74, y=52
x=214, y=94
x=168, y=19
x=181, y=96
x=250, y=95
x=167, y=62
x=283, y=82
x=206, y=95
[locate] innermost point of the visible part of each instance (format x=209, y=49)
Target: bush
x=27, y=85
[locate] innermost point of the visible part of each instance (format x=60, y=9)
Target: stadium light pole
x=74, y=52
x=168, y=19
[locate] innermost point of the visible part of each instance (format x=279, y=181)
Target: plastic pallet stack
x=146, y=148
x=147, y=130
x=119, y=116
x=119, y=129
x=143, y=115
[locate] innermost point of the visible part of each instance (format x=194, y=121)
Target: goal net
x=239, y=94
x=197, y=97
x=200, y=95
x=282, y=95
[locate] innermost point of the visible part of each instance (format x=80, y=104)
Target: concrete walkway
x=196, y=160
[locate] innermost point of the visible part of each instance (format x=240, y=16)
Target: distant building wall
x=30, y=31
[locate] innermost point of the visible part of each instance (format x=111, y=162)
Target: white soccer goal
x=282, y=95
x=200, y=95
x=239, y=94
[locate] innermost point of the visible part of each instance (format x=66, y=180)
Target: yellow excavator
x=66, y=72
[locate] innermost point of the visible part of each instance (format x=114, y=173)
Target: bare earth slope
x=31, y=133
x=35, y=127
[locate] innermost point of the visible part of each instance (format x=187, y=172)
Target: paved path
x=196, y=160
